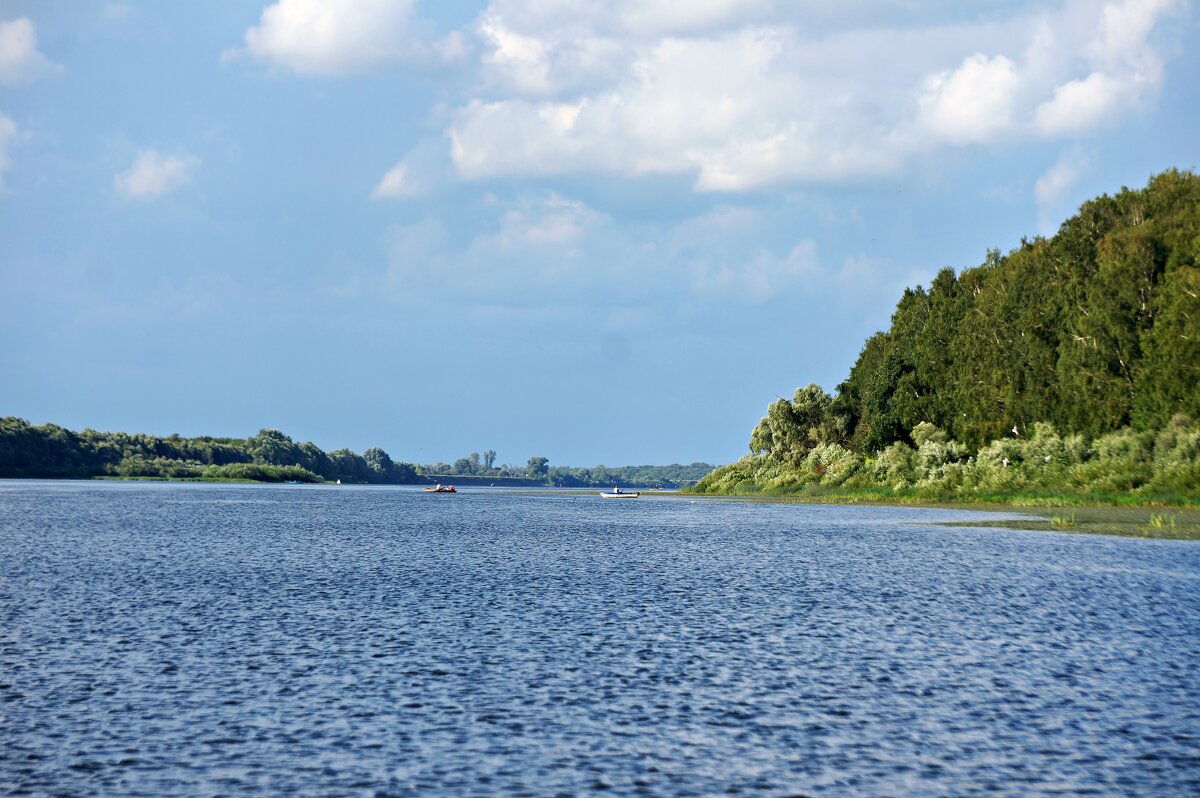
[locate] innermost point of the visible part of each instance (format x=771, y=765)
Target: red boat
x=441, y=489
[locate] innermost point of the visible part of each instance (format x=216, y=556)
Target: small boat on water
x=441, y=489
x=617, y=493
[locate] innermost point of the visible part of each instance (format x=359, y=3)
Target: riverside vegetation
x=1065, y=372
x=271, y=456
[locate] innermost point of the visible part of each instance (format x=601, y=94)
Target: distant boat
x=339, y=482
x=617, y=493
x=441, y=489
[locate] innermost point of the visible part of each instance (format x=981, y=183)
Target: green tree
x=379, y=464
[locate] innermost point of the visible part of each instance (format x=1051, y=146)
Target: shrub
x=895, y=467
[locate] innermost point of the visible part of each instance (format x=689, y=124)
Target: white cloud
x=1125, y=29
x=153, y=175
x=395, y=184
x=1122, y=71
x=974, y=103
x=741, y=96
x=20, y=60
x=553, y=221
x=1055, y=185
x=722, y=109
x=421, y=171
x=335, y=37
x=1081, y=105
x=8, y=134
x=627, y=19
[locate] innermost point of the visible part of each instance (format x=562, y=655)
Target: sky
x=600, y=233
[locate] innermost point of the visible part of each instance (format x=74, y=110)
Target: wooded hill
x=1094, y=332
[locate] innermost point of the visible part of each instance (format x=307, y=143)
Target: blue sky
x=602, y=233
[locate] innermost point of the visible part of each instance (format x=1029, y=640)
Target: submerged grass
x=1138, y=522
x=1107, y=514
x=1064, y=520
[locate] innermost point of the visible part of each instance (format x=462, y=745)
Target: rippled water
x=217, y=639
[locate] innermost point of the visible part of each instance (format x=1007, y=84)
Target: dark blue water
x=201, y=640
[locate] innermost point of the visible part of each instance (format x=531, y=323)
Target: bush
x=259, y=472
x=895, y=467
x=1166, y=465
x=160, y=467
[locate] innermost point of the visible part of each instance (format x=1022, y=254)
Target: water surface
x=175, y=639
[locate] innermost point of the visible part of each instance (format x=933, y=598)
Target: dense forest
x=269, y=456
x=1070, y=364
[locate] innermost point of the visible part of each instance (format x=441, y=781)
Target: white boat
x=617, y=493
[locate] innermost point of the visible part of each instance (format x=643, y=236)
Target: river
x=194, y=639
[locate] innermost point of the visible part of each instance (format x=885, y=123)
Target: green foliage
x=259, y=473
x=159, y=468
x=1063, y=520
x=1142, y=466
x=1094, y=332
x=1095, y=329
x=668, y=476
x=51, y=451
x=540, y=470
x=791, y=429
x=1162, y=521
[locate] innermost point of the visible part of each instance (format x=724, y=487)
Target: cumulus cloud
x=154, y=175
x=8, y=134
x=20, y=59
x=723, y=109
x=745, y=95
x=974, y=103
x=1079, y=106
x=1124, y=71
x=336, y=37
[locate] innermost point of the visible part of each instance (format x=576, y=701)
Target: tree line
x=538, y=468
x=52, y=451
x=1087, y=341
